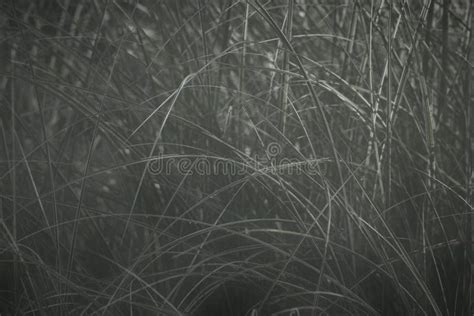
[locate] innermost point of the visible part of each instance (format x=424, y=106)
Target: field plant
x=337, y=138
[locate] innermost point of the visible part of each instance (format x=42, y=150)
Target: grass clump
x=236, y=158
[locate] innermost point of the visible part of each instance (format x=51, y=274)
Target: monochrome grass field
x=199, y=157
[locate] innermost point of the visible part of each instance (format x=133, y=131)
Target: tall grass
x=349, y=124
